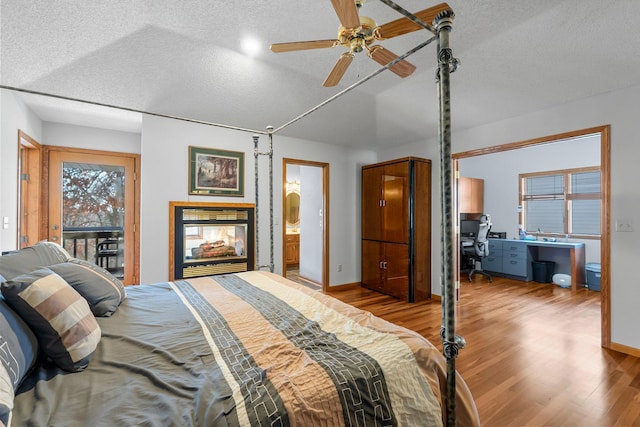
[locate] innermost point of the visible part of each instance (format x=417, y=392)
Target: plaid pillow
x=58, y=315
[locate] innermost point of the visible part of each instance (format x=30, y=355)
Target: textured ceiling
x=184, y=59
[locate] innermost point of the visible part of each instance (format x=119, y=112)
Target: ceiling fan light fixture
x=357, y=44
x=357, y=33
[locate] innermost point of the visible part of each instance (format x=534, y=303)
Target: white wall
x=500, y=173
x=621, y=110
x=165, y=178
x=64, y=135
x=15, y=116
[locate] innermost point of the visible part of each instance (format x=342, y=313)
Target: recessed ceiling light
x=251, y=46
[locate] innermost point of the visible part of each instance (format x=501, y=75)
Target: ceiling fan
x=358, y=33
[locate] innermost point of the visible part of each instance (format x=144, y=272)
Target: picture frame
x=214, y=172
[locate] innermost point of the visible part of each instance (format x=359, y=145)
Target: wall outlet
x=339, y=268
x=623, y=225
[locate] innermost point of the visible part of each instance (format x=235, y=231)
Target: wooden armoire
x=396, y=228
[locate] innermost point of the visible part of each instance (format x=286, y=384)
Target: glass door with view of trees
x=91, y=208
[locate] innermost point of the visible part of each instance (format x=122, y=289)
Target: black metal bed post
x=270, y=153
x=450, y=342
x=256, y=154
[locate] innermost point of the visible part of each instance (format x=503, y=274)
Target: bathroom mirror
x=292, y=206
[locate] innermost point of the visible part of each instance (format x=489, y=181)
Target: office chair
x=480, y=247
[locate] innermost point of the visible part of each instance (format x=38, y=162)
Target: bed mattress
x=244, y=349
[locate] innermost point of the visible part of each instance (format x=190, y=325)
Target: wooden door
x=92, y=200
x=29, y=191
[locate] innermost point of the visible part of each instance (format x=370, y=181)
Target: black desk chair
x=479, y=249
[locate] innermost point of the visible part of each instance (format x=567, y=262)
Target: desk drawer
x=492, y=263
x=515, y=265
x=513, y=247
x=495, y=246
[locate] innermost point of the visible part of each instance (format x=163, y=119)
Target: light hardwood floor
x=533, y=355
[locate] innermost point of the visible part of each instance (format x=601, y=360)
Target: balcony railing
x=103, y=246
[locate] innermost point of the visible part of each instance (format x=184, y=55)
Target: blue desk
x=513, y=258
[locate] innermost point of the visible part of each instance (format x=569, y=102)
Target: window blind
x=551, y=206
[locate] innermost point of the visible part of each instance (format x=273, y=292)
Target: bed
x=242, y=349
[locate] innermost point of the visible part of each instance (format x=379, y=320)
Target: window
x=562, y=202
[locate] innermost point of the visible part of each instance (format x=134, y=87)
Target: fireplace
x=210, y=238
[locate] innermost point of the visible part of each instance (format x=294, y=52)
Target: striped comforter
x=245, y=349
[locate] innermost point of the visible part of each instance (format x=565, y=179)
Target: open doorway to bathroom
x=305, y=222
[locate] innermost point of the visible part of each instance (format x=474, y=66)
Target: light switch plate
x=623, y=225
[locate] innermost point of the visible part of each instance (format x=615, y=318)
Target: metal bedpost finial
x=444, y=21
x=269, y=129
x=444, y=18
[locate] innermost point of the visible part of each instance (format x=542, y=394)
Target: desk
x=569, y=258
x=513, y=258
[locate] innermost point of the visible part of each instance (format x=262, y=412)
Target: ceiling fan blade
x=404, y=26
x=383, y=56
x=338, y=70
x=347, y=13
x=313, y=44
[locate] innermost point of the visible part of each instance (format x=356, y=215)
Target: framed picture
x=216, y=172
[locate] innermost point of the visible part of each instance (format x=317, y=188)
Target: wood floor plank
x=533, y=355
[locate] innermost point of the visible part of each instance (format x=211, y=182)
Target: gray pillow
x=28, y=259
x=58, y=315
x=102, y=290
x=18, y=353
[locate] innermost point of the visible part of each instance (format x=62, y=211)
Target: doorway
x=603, y=132
x=305, y=219
x=93, y=207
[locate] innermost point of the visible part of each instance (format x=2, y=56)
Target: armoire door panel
x=396, y=269
x=372, y=204
x=372, y=258
x=395, y=182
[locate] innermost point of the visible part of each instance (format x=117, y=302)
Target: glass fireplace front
x=212, y=240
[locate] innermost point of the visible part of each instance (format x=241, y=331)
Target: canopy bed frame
x=446, y=65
